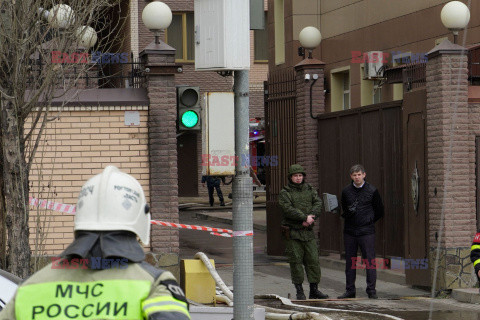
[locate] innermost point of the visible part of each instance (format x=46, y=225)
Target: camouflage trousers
x=300, y=254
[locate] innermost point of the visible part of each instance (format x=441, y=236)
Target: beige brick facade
x=76, y=146
x=83, y=140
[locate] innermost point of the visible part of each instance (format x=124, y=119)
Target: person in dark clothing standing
x=301, y=205
x=213, y=182
x=362, y=206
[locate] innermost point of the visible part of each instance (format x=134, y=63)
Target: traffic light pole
x=243, y=308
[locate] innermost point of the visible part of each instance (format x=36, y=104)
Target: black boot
x=314, y=293
x=300, y=293
x=347, y=295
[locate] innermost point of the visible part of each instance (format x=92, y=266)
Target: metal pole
x=242, y=205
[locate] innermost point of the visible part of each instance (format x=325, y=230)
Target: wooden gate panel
x=370, y=136
x=330, y=239
x=415, y=181
x=393, y=199
x=372, y=154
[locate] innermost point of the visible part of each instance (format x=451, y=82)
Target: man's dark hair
x=357, y=168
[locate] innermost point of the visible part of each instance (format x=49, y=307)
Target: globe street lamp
x=455, y=16
x=87, y=37
x=156, y=16
x=61, y=16
x=310, y=38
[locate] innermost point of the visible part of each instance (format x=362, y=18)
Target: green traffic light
x=190, y=119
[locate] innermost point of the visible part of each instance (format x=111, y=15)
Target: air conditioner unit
x=374, y=63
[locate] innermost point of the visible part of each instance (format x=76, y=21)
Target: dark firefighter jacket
x=475, y=253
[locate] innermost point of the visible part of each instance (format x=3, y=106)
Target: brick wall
x=449, y=150
x=75, y=147
x=307, y=131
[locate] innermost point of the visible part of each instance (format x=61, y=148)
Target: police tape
x=55, y=206
x=191, y=227
x=69, y=208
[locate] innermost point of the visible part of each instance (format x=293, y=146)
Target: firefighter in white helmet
x=102, y=275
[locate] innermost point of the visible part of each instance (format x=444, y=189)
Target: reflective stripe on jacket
x=475, y=253
x=132, y=291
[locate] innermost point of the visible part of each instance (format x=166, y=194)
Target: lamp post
x=156, y=16
x=455, y=16
x=310, y=38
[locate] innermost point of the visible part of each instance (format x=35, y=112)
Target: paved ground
x=272, y=275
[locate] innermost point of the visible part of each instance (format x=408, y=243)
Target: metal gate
x=280, y=134
x=415, y=182
x=371, y=136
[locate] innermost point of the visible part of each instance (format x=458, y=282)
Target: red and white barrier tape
x=69, y=208
x=55, y=206
x=191, y=227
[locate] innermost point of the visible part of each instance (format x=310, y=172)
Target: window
x=180, y=35
x=340, y=83
x=261, y=44
x=279, y=17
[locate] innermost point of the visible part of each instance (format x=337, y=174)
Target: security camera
x=179, y=69
x=147, y=70
x=307, y=77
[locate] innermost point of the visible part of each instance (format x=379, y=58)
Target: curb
x=468, y=295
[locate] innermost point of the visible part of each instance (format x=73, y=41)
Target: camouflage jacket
x=297, y=201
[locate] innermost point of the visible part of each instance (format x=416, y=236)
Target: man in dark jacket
x=214, y=183
x=301, y=205
x=362, y=206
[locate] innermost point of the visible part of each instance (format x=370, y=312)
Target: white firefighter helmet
x=113, y=200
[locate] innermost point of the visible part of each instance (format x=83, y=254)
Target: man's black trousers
x=210, y=194
x=367, y=247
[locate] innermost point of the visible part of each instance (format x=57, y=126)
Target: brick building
x=413, y=123
x=132, y=126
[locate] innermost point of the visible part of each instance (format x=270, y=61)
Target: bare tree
x=40, y=61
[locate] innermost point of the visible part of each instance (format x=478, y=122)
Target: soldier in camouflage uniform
x=301, y=206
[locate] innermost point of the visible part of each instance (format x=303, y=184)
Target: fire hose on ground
x=279, y=314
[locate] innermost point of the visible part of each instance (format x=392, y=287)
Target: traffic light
x=188, y=108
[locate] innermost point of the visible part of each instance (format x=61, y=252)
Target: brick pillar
x=451, y=177
x=307, y=133
x=162, y=149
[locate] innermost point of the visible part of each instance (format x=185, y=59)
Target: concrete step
x=468, y=295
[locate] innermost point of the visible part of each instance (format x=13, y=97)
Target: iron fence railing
x=88, y=74
x=414, y=76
